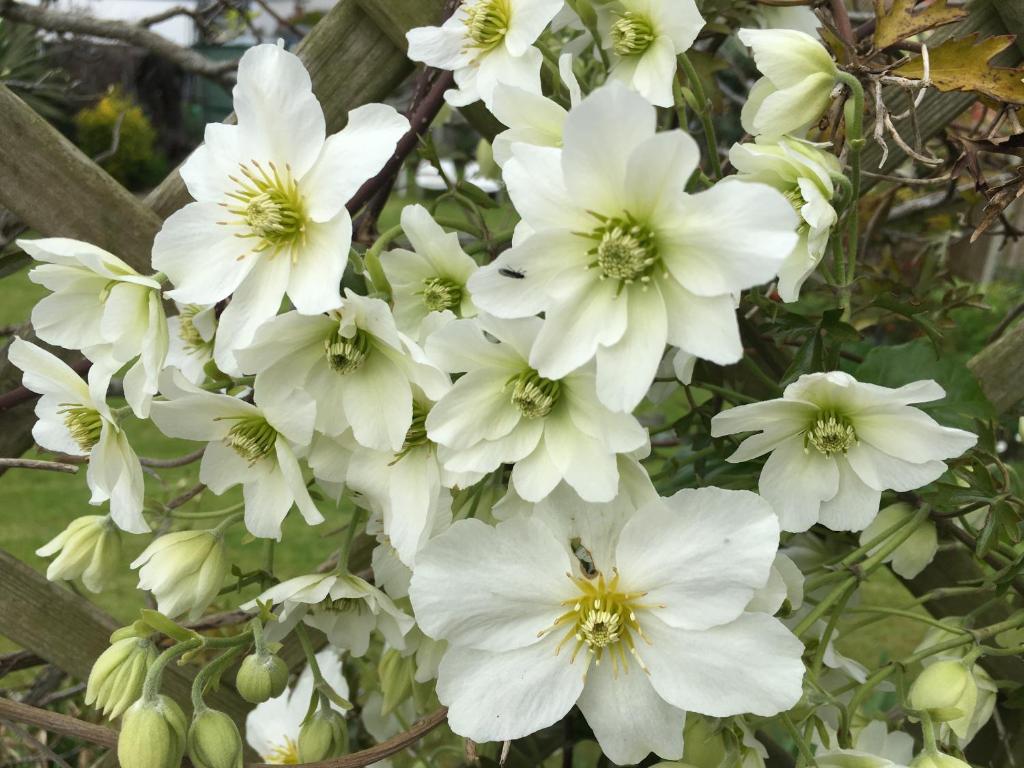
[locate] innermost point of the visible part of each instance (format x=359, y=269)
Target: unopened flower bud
x=324, y=735
x=396, y=677
x=153, y=734
x=184, y=570
x=261, y=676
x=116, y=679
x=214, y=741
x=938, y=760
x=946, y=690
x=90, y=549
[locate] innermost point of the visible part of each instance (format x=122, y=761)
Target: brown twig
x=178, y=461
x=107, y=737
x=81, y=24
x=843, y=26
x=49, y=466
x=186, y=497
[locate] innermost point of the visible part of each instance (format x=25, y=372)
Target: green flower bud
x=324, y=735
x=703, y=746
x=152, y=734
x=90, y=549
x=261, y=676
x=396, y=678
x=184, y=570
x=214, y=741
x=946, y=690
x=938, y=760
x=116, y=679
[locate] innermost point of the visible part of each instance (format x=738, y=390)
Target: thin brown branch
x=178, y=461
x=48, y=466
x=107, y=737
x=843, y=26
x=186, y=497
x=82, y=24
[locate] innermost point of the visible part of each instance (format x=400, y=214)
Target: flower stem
x=704, y=113
x=371, y=261
x=151, y=686
x=206, y=673
x=346, y=543
x=855, y=142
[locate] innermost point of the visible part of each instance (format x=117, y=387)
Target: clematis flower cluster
x=480, y=413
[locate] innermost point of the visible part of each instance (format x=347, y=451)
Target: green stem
x=855, y=142
x=830, y=628
x=207, y=515
x=371, y=261
x=307, y=649
x=346, y=543
x=801, y=744
x=227, y=523
x=730, y=394
x=151, y=686
x=704, y=114
x=207, y=672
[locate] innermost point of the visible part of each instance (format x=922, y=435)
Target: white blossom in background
x=88, y=549
x=272, y=728
x=502, y=411
x=619, y=258
x=531, y=117
x=102, y=307
x=803, y=173
x=645, y=38
x=353, y=362
x=191, y=333
x=913, y=555
x=837, y=443
x=344, y=607
x=484, y=43
x=74, y=418
x=799, y=17
x=635, y=638
x=799, y=76
x=873, y=747
x=184, y=570
x=429, y=279
x=269, y=215
x=249, y=445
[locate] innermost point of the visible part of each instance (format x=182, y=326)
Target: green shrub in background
x=137, y=162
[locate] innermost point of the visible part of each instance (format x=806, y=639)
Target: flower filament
x=84, y=423
x=252, y=438
x=626, y=250
x=796, y=198
x=416, y=435
x=187, y=331
x=830, y=434
x=284, y=754
x=440, y=293
x=533, y=395
x=269, y=205
x=631, y=34
x=487, y=23
x=346, y=354
x=602, y=620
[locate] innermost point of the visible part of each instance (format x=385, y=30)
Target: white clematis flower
x=504, y=412
x=486, y=42
x=837, y=443
x=619, y=258
x=429, y=279
x=272, y=728
x=531, y=117
x=799, y=76
x=344, y=607
x=803, y=174
x=635, y=638
x=249, y=445
x=184, y=570
x=799, y=17
x=270, y=192
x=646, y=37
x=353, y=362
x=88, y=549
x=104, y=308
x=74, y=418
x=192, y=333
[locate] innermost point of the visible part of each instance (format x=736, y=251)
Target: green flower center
x=534, y=395
x=602, y=620
x=830, y=434
x=440, y=293
x=85, y=424
x=346, y=354
x=632, y=34
x=270, y=207
x=416, y=435
x=341, y=604
x=190, y=336
x=626, y=250
x=252, y=438
x=487, y=23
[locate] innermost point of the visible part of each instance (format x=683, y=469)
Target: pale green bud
x=938, y=760
x=153, y=734
x=703, y=746
x=214, y=741
x=184, y=570
x=324, y=735
x=116, y=679
x=396, y=677
x=261, y=676
x=946, y=690
x=90, y=549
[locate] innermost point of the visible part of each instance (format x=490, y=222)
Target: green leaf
x=905, y=363
x=161, y=623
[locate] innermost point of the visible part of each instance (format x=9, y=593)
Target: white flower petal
x=626, y=370
x=795, y=481
x=255, y=301
x=854, y=505
x=314, y=283
x=884, y=472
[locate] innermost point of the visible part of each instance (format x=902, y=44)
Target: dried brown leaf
x=901, y=21
x=963, y=65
